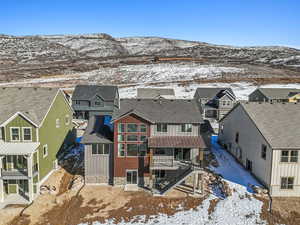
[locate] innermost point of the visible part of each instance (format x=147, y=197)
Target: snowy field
x=241, y=89
x=236, y=209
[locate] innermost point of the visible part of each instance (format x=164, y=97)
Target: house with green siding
x=35, y=125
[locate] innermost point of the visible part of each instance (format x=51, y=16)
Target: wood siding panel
x=97, y=167
x=284, y=170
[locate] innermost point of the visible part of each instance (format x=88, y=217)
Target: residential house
x=265, y=138
x=157, y=143
x=91, y=100
x=274, y=95
x=35, y=124
x=98, y=151
x=214, y=103
x=155, y=93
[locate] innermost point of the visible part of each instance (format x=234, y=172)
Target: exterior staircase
x=169, y=184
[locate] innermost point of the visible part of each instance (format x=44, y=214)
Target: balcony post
x=29, y=165
x=1, y=181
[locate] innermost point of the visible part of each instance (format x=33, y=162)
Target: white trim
x=11, y=139
x=46, y=177
x=44, y=156
x=137, y=176
x=23, y=128
x=14, y=116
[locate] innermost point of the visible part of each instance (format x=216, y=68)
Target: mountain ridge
x=34, y=56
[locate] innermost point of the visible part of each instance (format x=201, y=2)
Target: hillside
x=124, y=60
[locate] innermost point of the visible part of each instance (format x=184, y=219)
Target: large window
x=186, y=128
x=27, y=134
x=121, y=149
x=132, y=127
x=132, y=149
x=287, y=183
x=143, y=128
x=100, y=149
x=132, y=137
x=263, y=151
x=121, y=127
x=121, y=137
x=142, y=150
x=15, y=133
x=289, y=156
x=162, y=127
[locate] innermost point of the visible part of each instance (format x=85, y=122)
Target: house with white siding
x=265, y=139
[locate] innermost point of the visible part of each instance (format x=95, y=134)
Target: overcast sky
x=234, y=22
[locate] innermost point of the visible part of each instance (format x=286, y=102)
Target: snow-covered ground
x=160, y=72
x=236, y=209
x=241, y=89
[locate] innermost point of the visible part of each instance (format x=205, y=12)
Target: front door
x=131, y=177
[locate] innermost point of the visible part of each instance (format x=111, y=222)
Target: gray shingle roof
x=97, y=132
x=152, y=93
x=278, y=93
x=210, y=92
x=279, y=123
x=32, y=102
x=161, y=111
x=87, y=92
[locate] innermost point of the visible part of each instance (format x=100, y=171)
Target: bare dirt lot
x=94, y=203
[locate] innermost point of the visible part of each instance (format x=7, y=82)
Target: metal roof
x=176, y=142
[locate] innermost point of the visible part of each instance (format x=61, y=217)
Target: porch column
x=1, y=181
x=30, y=189
x=29, y=165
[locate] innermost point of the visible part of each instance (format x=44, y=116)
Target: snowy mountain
x=36, y=56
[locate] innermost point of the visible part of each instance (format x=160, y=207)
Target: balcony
x=162, y=162
x=14, y=174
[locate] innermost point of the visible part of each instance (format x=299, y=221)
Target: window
x=264, y=151
x=132, y=137
x=143, y=128
x=294, y=156
x=67, y=120
x=143, y=138
x=132, y=127
x=121, y=127
x=15, y=133
x=57, y=123
x=162, y=127
x=45, y=150
x=121, y=149
x=77, y=102
x=121, y=137
x=287, y=183
x=1, y=133
x=100, y=149
x=186, y=128
x=27, y=134
x=132, y=149
x=98, y=103
x=142, y=150
x=289, y=156
x=237, y=136
x=222, y=129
